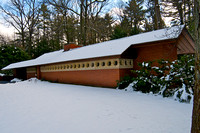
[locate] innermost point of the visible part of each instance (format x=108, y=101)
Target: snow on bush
x=15, y=80
x=33, y=80
x=170, y=79
x=1, y=74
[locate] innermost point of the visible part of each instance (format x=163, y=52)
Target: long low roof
x=103, y=49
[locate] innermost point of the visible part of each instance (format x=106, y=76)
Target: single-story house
x=104, y=63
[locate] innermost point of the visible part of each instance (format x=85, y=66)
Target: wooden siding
x=185, y=44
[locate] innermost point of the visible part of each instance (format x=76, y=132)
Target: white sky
x=7, y=31
x=4, y=29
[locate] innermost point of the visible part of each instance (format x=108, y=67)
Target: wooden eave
x=185, y=43
x=169, y=41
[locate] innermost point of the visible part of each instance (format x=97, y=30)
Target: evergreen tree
x=11, y=54
x=119, y=32
x=42, y=47
x=135, y=14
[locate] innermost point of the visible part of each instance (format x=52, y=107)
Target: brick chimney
x=69, y=46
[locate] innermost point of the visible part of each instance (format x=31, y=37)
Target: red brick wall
x=70, y=46
x=31, y=75
x=155, y=52
x=108, y=77
x=103, y=77
x=125, y=72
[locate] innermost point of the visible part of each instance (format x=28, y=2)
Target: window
x=92, y=64
x=115, y=63
x=97, y=64
x=88, y=65
x=83, y=65
x=125, y=62
x=109, y=63
x=79, y=65
x=103, y=63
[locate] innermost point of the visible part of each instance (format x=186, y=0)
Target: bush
x=124, y=82
x=11, y=54
x=168, y=78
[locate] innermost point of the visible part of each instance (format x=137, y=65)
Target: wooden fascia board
x=169, y=41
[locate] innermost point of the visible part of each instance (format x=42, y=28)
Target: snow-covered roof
x=108, y=48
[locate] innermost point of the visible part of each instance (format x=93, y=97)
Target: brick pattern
x=164, y=51
x=103, y=78
x=31, y=75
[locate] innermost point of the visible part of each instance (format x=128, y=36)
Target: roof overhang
x=104, y=49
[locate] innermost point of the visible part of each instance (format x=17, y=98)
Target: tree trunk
x=85, y=24
x=157, y=17
x=81, y=22
x=180, y=11
x=196, y=103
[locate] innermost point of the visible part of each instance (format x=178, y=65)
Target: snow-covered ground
x=42, y=107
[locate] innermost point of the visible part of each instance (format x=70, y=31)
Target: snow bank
x=35, y=106
x=15, y=80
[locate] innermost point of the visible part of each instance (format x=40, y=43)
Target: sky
x=8, y=30
x=5, y=28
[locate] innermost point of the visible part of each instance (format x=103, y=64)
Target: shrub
x=168, y=78
x=124, y=82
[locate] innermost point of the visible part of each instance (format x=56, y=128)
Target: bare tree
x=180, y=10
x=22, y=15
x=15, y=15
x=83, y=9
x=32, y=19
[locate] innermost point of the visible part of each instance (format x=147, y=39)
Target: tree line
x=45, y=25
